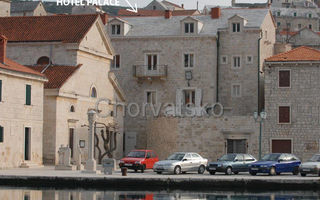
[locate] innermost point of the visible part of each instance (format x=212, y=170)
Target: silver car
x=181, y=162
x=311, y=167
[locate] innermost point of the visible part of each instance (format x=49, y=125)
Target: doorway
x=27, y=143
x=71, y=138
x=237, y=146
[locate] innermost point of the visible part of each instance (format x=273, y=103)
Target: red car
x=139, y=160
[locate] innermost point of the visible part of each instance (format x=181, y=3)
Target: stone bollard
x=124, y=171
x=109, y=165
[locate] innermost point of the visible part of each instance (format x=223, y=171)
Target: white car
x=311, y=167
x=181, y=162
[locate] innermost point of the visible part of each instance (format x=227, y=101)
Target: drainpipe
x=217, y=75
x=259, y=74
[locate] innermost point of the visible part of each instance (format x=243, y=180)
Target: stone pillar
x=91, y=166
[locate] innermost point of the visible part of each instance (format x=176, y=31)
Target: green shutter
x=0, y=90
x=1, y=134
x=28, y=94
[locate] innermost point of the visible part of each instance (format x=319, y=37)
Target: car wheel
x=212, y=172
x=253, y=173
x=135, y=170
x=159, y=172
x=143, y=168
x=303, y=174
x=183, y=172
x=228, y=171
x=278, y=173
x=272, y=171
x=236, y=172
x=201, y=169
x=177, y=170
x=295, y=171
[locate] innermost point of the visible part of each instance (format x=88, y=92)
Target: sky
x=192, y=4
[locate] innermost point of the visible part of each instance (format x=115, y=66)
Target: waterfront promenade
x=47, y=177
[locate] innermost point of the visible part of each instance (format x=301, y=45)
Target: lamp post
x=91, y=163
x=260, y=118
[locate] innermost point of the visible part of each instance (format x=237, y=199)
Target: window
x=288, y=25
x=153, y=155
x=151, y=97
x=44, y=60
x=224, y=60
x=154, y=8
x=284, y=78
x=310, y=15
x=249, y=59
x=0, y=90
x=152, y=61
x=284, y=114
x=294, y=14
x=240, y=157
x=72, y=109
x=116, y=62
x=278, y=24
x=1, y=134
x=28, y=95
x=248, y=158
x=189, y=97
x=310, y=26
x=236, y=90
x=188, y=60
x=115, y=29
x=235, y=27
x=236, y=62
x=278, y=14
x=189, y=27
x=299, y=26
x=93, y=92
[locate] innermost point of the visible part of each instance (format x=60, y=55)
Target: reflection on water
x=27, y=194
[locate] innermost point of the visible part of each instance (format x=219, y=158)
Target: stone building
x=21, y=108
x=292, y=103
x=293, y=3
x=27, y=8
x=4, y=8
x=163, y=5
x=189, y=61
x=303, y=37
x=75, y=53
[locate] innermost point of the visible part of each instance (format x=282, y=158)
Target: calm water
x=32, y=194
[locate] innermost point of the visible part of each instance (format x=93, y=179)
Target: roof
x=14, y=66
x=57, y=74
x=23, y=6
x=124, y=12
x=61, y=28
x=168, y=3
x=298, y=54
x=159, y=26
x=290, y=33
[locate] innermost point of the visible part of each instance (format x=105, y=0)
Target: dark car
x=276, y=163
x=231, y=163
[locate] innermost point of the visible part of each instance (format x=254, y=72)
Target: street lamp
x=260, y=119
x=91, y=163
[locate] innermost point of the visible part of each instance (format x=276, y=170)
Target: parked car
x=276, y=163
x=181, y=162
x=311, y=167
x=139, y=160
x=231, y=163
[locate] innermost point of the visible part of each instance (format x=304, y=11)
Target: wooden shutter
x=281, y=146
x=28, y=94
x=117, y=61
x=284, y=114
x=0, y=90
x=1, y=134
x=284, y=78
x=178, y=101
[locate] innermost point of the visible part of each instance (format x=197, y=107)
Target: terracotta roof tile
x=291, y=33
x=298, y=54
x=124, y=12
x=57, y=75
x=62, y=28
x=14, y=66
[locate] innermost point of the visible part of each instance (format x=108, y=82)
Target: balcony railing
x=145, y=71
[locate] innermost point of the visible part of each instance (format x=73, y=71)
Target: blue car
x=276, y=163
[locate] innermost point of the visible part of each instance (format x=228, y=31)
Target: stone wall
x=204, y=135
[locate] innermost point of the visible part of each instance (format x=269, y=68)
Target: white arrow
x=133, y=9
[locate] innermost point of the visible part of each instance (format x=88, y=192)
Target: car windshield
x=176, y=156
x=315, y=158
x=136, y=154
x=227, y=157
x=271, y=157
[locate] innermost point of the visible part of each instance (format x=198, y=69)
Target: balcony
x=150, y=72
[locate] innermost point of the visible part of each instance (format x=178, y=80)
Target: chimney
x=167, y=14
x=215, y=13
x=104, y=18
x=233, y=3
x=182, y=5
x=3, y=48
